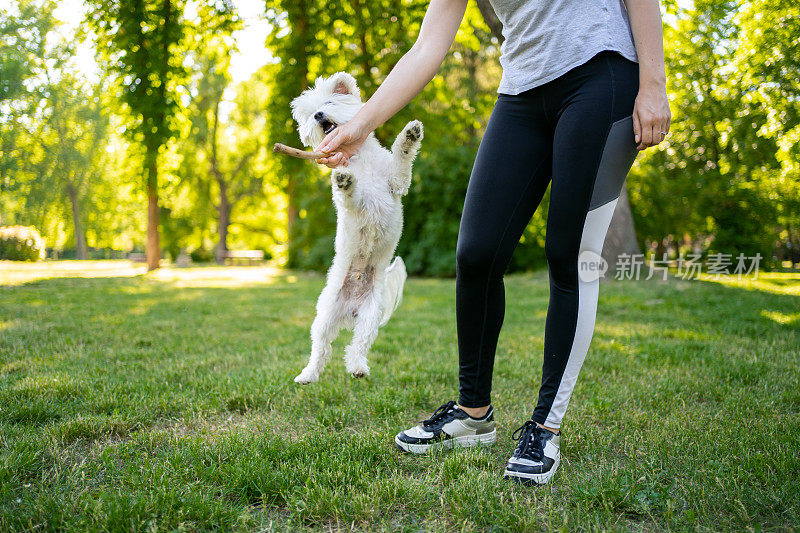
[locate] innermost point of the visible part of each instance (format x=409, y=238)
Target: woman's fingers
x=333, y=161
x=662, y=132
x=323, y=146
x=642, y=130
x=652, y=131
x=647, y=135
x=330, y=143
x=339, y=145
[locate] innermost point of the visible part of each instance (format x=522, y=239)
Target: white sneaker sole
x=468, y=441
x=537, y=479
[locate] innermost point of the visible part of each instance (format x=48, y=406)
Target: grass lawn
x=166, y=401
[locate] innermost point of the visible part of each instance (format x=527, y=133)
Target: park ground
x=165, y=401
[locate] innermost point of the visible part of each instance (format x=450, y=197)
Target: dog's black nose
x=319, y=115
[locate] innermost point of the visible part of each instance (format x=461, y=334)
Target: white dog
x=362, y=289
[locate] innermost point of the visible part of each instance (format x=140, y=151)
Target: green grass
x=166, y=401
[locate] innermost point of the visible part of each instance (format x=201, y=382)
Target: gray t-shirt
x=546, y=38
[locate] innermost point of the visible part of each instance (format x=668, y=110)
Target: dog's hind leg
x=367, y=323
x=324, y=330
x=404, y=150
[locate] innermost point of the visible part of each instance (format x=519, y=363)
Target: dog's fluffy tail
x=393, y=293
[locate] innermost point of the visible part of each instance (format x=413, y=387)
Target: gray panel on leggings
x=618, y=156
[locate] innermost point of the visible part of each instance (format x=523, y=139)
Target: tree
x=224, y=149
x=295, y=24
x=768, y=56
x=140, y=41
x=73, y=136
x=23, y=36
x=59, y=123
x=707, y=189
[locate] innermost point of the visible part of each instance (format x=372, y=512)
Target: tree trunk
x=80, y=235
x=471, y=59
x=224, y=213
x=362, y=29
x=301, y=29
x=621, y=237
x=224, y=208
x=291, y=208
x=153, y=245
x=489, y=16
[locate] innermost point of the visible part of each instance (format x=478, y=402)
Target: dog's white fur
x=362, y=289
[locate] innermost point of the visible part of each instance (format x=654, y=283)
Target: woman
x=583, y=88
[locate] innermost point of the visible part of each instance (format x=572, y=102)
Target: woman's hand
x=342, y=143
x=651, y=116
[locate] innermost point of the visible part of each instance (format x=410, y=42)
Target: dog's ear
x=302, y=107
x=344, y=83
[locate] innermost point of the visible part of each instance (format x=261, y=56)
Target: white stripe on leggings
x=594, y=234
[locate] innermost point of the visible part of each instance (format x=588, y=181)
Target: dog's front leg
x=344, y=188
x=367, y=323
x=404, y=151
x=324, y=330
x=341, y=180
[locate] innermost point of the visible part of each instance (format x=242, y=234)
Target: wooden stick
x=294, y=152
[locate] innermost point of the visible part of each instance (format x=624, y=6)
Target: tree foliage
x=55, y=132
x=165, y=125
x=713, y=187
x=366, y=38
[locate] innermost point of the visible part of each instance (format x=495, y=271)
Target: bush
x=91, y=253
x=314, y=230
x=21, y=243
x=433, y=212
x=201, y=255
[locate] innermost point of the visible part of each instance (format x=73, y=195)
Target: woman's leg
x=507, y=183
x=593, y=149
x=508, y=180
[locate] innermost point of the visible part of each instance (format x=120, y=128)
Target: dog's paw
x=414, y=130
x=342, y=180
x=360, y=373
x=306, y=376
x=358, y=369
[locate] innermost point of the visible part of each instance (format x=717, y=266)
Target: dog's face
x=329, y=103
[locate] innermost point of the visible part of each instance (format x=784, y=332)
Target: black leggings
x=577, y=132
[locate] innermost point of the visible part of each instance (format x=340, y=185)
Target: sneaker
x=537, y=456
x=448, y=427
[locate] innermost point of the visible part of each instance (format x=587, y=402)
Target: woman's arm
x=651, y=114
x=408, y=77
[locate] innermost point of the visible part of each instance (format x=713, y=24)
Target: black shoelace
x=529, y=442
x=439, y=414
